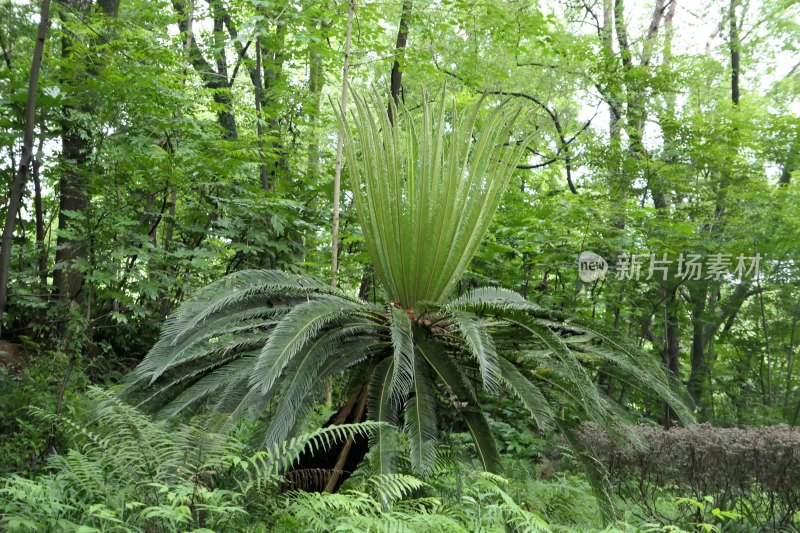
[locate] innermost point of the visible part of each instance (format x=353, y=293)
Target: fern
x=398, y=503
x=127, y=472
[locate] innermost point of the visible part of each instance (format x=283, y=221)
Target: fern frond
x=389, y=488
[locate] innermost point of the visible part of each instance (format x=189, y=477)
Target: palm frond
x=296, y=329
x=420, y=422
x=306, y=371
x=529, y=394
x=426, y=189
x=482, y=298
x=467, y=405
x=382, y=408
x=403, y=342
x=480, y=344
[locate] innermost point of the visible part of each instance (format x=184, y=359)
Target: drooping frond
x=529, y=394
x=294, y=331
x=225, y=374
x=426, y=188
x=560, y=353
x=403, y=343
x=420, y=422
x=307, y=371
x=480, y=344
x=382, y=408
x=240, y=341
x=642, y=369
x=218, y=303
x=464, y=398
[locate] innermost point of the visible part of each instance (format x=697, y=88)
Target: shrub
x=754, y=472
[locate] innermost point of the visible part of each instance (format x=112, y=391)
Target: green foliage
x=260, y=340
x=34, y=379
x=425, y=190
x=387, y=504
x=631, y=143
x=266, y=339
x=128, y=473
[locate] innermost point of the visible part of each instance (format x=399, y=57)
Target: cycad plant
x=262, y=343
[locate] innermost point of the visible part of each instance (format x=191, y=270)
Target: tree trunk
x=697, y=355
x=337, y=176
x=734, y=44
x=212, y=79
x=790, y=361
x=41, y=248
x=272, y=72
x=396, y=79
x=74, y=184
x=21, y=175
x=258, y=89
x=316, y=82
x=672, y=348
x=220, y=84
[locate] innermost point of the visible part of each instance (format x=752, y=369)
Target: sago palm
x=263, y=343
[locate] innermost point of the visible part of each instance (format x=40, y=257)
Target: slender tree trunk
x=766, y=343
x=21, y=175
x=73, y=199
x=219, y=82
x=607, y=38
x=273, y=72
x=74, y=184
x=258, y=90
x=396, y=79
x=734, y=44
x=41, y=248
x=790, y=361
x=316, y=82
x=697, y=355
x=212, y=79
x=786, y=176
x=337, y=176
x=672, y=348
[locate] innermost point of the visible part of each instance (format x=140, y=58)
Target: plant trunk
x=396, y=79
x=697, y=361
x=21, y=175
x=337, y=176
